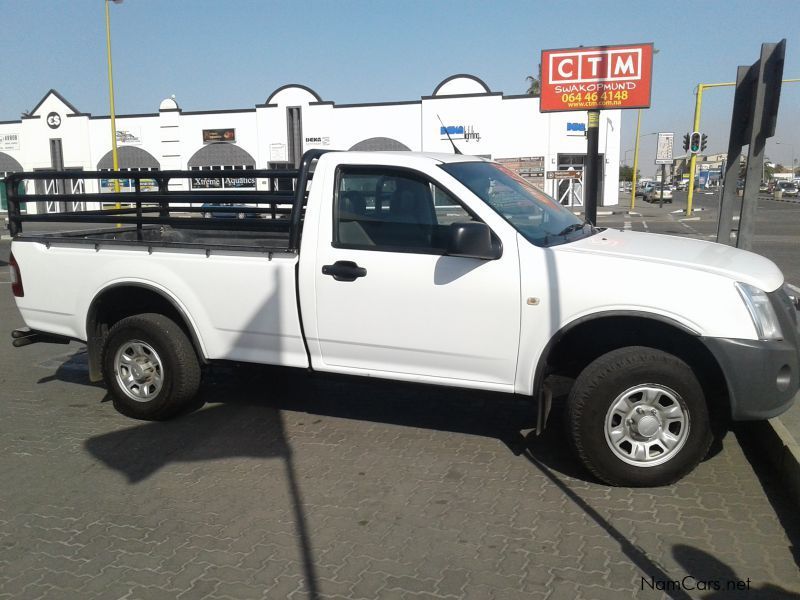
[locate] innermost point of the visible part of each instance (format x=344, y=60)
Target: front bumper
x=763, y=377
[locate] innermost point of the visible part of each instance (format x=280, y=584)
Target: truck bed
x=171, y=236
x=156, y=213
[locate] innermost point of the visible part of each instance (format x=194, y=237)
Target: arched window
x=221, y=156
x=8, y=165
x=129, y=158
x=380, y=144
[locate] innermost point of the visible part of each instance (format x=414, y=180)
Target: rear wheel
x=150, y=367
x=638, y=417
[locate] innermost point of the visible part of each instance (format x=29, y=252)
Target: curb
x=600, y=213
x=783, y=451
x=789, y=200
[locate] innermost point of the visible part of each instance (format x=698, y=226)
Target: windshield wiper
x=574, y=227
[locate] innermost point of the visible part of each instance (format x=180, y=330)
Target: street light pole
x=625, y=156
x=791, y=147
x=114, y=158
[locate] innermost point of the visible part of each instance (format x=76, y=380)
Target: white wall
x=496, y=126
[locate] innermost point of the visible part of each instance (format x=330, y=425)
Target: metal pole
x=696, y=127
x=663, y=176
x=635, y=158
x=591, y=169
x=115, y=161
x=693, y=161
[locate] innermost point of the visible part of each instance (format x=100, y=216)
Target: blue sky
x=216, y=54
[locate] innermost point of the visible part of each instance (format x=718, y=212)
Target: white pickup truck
x=441, y=269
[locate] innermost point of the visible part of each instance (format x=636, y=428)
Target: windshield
x=538, y=217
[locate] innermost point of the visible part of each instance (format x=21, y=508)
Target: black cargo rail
x=284, y=209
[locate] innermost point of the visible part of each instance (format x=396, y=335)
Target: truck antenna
x=455, y=148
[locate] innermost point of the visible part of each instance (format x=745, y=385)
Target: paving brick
x=403, y=492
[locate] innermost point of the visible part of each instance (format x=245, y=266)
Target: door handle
x=344, y=270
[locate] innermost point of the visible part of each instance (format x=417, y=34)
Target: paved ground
x=290, y=486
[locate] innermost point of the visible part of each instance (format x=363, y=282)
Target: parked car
x=654, y=194
x=643, y=189
x=789, y=188
x=229, y=211
x=511, y=295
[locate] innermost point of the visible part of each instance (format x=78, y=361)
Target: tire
x=161, y=369
x=638, y=417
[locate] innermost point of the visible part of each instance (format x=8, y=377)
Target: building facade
x=548, y=149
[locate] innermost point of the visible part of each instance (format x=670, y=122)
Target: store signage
x=53, y=120
x=213, y=183
x=128, y=185
x=596, y=78
x=531, y=168
x=218, y=135
x=563, y=174
x=131, y=137
x=9, y=141
x=318, y=141
x=277, y=152
x=581, y=127
x=460, y=132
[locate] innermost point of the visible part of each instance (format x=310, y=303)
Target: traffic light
x=694, y=142
x=686, y=141
x=703, y=141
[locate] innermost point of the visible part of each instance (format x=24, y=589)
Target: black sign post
x=592, y=167
x=755, y=112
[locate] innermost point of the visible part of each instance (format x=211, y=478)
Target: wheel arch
x=124, y=299
x=583, y=340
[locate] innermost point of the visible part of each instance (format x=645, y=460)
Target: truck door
x=390, y=301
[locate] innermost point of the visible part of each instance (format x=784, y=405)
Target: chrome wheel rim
x=647, y=425
x=139, y=371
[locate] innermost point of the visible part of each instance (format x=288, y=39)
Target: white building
x=294, y=118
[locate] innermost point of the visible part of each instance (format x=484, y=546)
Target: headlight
x=761, y=311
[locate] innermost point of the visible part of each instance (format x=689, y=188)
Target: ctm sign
x=596, y=78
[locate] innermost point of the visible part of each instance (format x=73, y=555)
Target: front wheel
x=150, y=367
x=638, y=417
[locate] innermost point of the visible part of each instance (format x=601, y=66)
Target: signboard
x=130, y=136
x=596, y=78
x=664, y=148
x=218, y=135
x=564, y=174
x=277, y=152
x=215, y=183
x=129, y=185
x=53, y=120
x=317, y=140
x=459, y=132
x=531, y=168
x=576, y=129
x=9, y=141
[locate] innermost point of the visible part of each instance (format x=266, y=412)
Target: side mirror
x=473, y=240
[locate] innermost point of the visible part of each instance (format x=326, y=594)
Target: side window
x=384, y=209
